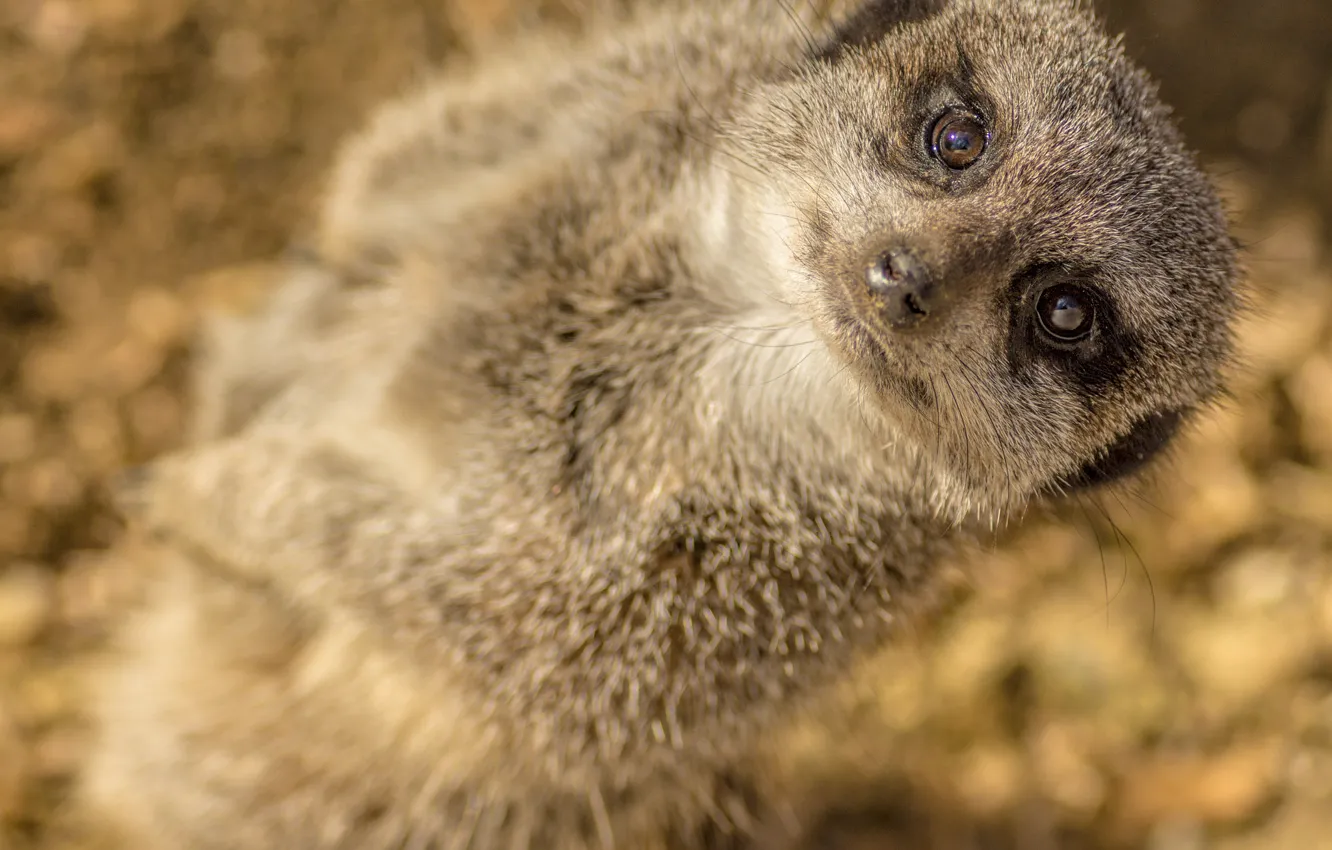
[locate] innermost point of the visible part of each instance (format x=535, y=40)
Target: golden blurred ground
x=1156, y=669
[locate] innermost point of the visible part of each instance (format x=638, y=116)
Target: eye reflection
x=958, y=139
x=1066, y=312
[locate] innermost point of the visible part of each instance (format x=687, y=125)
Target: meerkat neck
x=764, y=367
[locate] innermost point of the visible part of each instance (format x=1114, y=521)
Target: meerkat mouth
x=893, y=375
x=1130, y=454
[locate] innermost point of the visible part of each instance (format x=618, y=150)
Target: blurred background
x=1153, y=670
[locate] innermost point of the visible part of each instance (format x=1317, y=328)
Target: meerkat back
x=633, y=386
x=240, y=718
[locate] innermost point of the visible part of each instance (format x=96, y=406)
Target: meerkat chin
x=637, y=382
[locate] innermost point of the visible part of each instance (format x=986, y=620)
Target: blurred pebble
x=1223, y=789
x=27, y=602
x=63, y=369
x=44, y=696
x=57, y=753
x=1064, y=770
x=234, y=290
x=1238, y=657
x=480, y=21
x=1263, y=126
x=85, y=592
x=969, y=659
x=1177, y=834
x=84, y=303
x=1040, y=550
x=135, y=20
x=1325, y=613
x=1310, y=388
x=1258, y=580
x=96, y=584
x=1209, y=510
x=156, y=416
x=16, y=528
x=1219, y=431
x=33, y=256
x=1301, y=493
x=895, y=687
x=51, y=484
x=1081, y=658
x=202, y=195
x=71, y=163
x=157, y=317
x=18, y=437
x=990, y=778
x=25, y=124
x=97, y=435
x=239, y=55
x=1310, y=774
x=1275, y=342
x=13, y=765
x=132, y=364
x=1297, y=825
x=59, y=26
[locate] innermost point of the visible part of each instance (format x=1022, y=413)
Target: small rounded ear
x=872, y=20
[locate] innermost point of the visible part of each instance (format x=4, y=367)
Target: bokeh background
x=1152, y=670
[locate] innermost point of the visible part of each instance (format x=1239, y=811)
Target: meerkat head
x=991, y=222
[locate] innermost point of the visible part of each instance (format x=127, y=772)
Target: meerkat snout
x=919, y=279
x=902, y=287
x=905, y=287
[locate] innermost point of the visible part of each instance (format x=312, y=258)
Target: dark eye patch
x=1127, y=455
x=1095, y=365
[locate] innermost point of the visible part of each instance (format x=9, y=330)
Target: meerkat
x=637, y=382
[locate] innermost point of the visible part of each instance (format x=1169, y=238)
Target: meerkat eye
x=1066, y=312
x=958, y=139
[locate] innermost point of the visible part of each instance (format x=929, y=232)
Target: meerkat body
x=639, y=383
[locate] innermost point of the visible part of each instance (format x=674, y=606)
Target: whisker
x=799, y=25
x=1100, y=548
x=1121, y=536
x=962, y=420
x=998, y=438
x=679, y=68
x=788, y=372
x=799, y=344
x=785, y=326
x=920, y=414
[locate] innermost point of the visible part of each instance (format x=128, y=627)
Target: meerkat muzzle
x=903, y=287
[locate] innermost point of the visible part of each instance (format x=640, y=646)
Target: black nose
x=902, y=282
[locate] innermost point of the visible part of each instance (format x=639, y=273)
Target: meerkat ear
x=871, y=20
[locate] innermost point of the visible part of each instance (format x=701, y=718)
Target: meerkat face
x=992, y=222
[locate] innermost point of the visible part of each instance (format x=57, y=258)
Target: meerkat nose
x=902, y=284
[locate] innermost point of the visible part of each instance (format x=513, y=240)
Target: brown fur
x=579, y=456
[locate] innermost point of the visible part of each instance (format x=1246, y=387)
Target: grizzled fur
x=578, y=454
